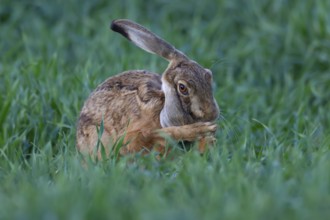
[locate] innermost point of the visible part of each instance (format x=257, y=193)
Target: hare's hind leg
x=88, y=142
x=138, y=141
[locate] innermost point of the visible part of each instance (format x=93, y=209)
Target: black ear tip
x=115, y=26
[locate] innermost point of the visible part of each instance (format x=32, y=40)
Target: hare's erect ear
x=146, y=40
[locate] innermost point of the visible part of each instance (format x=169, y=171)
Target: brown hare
x=144, y=107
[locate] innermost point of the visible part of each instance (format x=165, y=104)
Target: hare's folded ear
x=146, y=40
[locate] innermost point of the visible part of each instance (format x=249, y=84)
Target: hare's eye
x=183, y=89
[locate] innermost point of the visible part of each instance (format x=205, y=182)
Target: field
x=270, y=61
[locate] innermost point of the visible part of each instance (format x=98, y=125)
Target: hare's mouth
x=194, y=117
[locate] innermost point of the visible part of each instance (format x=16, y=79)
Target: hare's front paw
x=202, y=128
x=205, y=143
x=191, y=132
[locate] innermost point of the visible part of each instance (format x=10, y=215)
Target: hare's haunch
x=145, y=106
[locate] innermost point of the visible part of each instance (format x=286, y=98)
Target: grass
x=271, y=68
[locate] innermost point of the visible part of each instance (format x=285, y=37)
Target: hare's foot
x=206, y=142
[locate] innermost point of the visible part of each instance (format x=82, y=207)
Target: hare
x=144, y=107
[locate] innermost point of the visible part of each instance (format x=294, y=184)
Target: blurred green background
x=270, y=61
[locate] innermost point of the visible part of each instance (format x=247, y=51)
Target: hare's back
x=124, y=99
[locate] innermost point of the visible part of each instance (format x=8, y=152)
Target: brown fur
x=144, y=106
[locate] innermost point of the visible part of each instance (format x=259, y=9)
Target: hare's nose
x=199, y=113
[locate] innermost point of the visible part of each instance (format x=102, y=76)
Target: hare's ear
x=146, y=40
